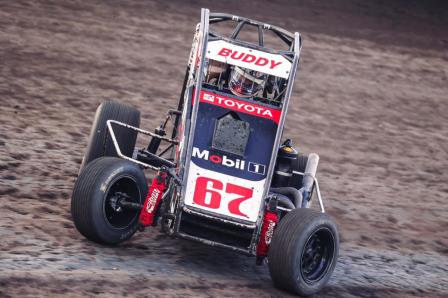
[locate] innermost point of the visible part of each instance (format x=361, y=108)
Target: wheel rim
x=120, y=218
x=317, y=256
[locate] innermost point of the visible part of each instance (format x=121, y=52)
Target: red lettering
x=225, y=52
x=249, y=58
x=274, y=64
x=215, y=159
x=261, y=61
x=208, y=194
x=201, y=191
x=245, y=193
x=233, y=56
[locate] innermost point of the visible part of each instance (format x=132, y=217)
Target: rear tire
x=100, y=142
x=303, y=251
x=92, y=211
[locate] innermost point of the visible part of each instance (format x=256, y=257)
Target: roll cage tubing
x=293, y=41
x=286, y=36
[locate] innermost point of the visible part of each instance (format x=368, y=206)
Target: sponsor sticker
x=240, y=106
x=272, y=64
x=227, y=161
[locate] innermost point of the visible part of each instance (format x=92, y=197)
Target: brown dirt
x=371, y=99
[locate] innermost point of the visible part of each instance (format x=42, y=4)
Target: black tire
x=96, y=185
x=100, y=143
x=291, y=248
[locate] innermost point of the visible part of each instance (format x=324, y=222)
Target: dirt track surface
x=371, y=99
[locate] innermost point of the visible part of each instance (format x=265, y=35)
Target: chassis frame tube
x=297, y=49
x=117, y=146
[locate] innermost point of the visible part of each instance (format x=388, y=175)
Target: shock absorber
x=270, y=221
x=153, y=198
x=154, y=144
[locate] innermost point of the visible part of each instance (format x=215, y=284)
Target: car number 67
x=208, y=192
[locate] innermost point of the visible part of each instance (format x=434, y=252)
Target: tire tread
x=284, y=246
x=83, y=193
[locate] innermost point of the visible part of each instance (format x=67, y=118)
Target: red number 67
x=208, y=194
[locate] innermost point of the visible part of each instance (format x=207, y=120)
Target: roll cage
x=196, y=78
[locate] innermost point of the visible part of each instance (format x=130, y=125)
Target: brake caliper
x=153, y=198
x=270, y=221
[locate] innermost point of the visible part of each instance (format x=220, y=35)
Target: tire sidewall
x=288, y=244
x=119, y=170
x=324, y=222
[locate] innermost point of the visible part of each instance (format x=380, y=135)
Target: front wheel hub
x=317, y=255
x=121, y=191
x=115, y=202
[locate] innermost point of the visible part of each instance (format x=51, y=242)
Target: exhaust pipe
x=290, y=193
x=308, y=179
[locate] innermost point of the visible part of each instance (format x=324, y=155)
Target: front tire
x=92, y=207
x=303, y=251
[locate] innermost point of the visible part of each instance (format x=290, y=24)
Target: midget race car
x=221, y=174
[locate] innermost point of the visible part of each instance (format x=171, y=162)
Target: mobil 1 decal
x=249, y=152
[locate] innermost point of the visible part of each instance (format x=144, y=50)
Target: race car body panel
x=232, y=147
x=268, y=63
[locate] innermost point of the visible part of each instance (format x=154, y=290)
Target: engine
x=288, y=161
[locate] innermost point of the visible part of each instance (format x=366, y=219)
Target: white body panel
x=249, y=207
x=271, y=64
